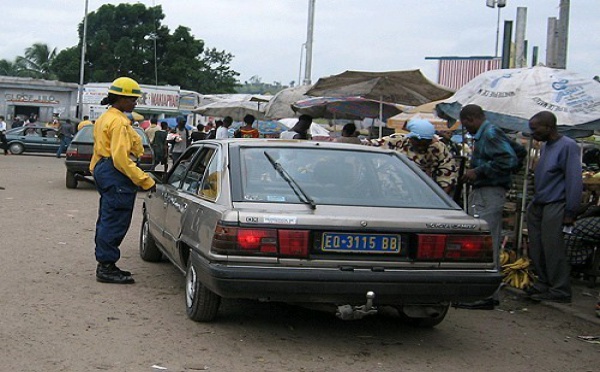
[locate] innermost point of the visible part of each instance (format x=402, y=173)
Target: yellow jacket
x=115, y=138
x=84, y=123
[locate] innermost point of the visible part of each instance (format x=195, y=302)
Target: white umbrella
x=236, y=109
x=315, y=129
x=280, y=105
x=511, y=96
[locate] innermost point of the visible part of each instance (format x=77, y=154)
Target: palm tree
x=8, y=68
x=38, y=61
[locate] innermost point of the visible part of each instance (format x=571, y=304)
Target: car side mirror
x=157, y=176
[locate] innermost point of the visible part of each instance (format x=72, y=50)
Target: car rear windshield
x=336, y=177
x=86, y=134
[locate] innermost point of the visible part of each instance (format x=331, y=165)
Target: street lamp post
x=500, y=4
x=82, y=64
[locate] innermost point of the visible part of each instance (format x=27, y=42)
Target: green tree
x=66, y=64
x=37, y=61
x=8, y=68
x=129, y=39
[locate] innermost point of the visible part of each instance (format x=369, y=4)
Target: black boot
x=124, y=272
x=110, y=273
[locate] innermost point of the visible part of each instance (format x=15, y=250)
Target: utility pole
x=309, y=42
x=563, y=34
x=82, y=65
x=551, y=42
x=520, y=48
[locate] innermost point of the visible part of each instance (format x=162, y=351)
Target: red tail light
x=257, y=240
x=146, y=157
x=263, y=242
x=431, y=246
x=454, y=247
x=293, y=243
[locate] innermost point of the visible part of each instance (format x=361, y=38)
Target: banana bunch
x=516, y=274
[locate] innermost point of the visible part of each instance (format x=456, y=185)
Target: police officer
x=117, y=176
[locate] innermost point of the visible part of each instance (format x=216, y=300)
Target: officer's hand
x=152, y=189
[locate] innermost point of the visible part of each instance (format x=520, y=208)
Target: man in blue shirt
x=558, y=192
x=492, y=163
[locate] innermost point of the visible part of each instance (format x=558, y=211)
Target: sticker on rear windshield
x=280, y=220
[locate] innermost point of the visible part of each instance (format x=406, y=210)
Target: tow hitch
x=349, y=312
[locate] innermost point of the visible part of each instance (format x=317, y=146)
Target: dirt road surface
x=54, y=316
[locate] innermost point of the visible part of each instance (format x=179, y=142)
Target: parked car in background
x=79, y=155
x=35, y=138
x=346, y=228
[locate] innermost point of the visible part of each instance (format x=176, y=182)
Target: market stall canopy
x=426, y=111
x=280, y=106
x=236, y=109
x=352, y=108
x=408, y=87
x=510, y=97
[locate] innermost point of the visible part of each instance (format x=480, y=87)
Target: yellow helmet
x=125, y=86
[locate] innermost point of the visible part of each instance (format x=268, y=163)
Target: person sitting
x=349, y=135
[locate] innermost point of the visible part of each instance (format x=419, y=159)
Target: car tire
x=148, y=249
x=71, y=180
x=428, y=322
x=16, y=148
x=201, y=304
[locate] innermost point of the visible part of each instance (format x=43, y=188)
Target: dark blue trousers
x=117, y=199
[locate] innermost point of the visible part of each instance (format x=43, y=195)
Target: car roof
x=276, y=142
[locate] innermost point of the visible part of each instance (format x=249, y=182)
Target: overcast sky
x=266, y=36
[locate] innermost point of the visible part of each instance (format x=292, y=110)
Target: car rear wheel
x=71, y=181
x=148, y=249
x=201, y=304
x=432, y=320
x=16, y=148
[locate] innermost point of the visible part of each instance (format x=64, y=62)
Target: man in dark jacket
x=65, y=131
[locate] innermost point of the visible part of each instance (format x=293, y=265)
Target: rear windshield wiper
x=301, y=194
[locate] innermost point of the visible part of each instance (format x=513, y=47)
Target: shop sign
x=31, y=98
x=153, y=98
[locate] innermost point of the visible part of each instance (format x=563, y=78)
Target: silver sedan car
x=346, y=228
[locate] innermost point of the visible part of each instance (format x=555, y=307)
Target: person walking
x=3, y=140
x=490, y=174
x=117, y=177
x=65, y=131
x=556, y=200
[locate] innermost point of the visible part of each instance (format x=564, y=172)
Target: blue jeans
x=65, y=141
x=117, y=199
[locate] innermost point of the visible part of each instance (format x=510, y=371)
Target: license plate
x=361, y=243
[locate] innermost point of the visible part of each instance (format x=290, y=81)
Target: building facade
x=25, y=97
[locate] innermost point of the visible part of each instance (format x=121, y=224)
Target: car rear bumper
x=78, y=166
x=345, y=287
